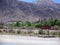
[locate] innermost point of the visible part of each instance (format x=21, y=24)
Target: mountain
x=49, y=8
x=14, y=10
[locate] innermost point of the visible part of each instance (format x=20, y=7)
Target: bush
x=28, y=24
x=57, y=27
x=1, y=25
x=58, y=23
x=18, y=32
x=37, y=25
x=40, y=32
x=54, y=33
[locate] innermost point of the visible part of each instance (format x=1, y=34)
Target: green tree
x=17, y=24
x=1, y=25
x=38, y=25
x=58, y=23
x=28, y=24
x=50, y=23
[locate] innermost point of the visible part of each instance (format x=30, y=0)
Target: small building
x=45, y=27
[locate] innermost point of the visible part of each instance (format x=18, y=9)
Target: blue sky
x=27, y=0
x=56, y=1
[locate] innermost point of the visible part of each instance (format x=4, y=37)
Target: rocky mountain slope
x=14, y=10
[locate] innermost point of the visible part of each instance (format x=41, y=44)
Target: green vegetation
x=38, y=24
x=30, y=26
x=1, y=25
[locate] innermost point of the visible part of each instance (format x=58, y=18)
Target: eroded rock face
x=11, y=10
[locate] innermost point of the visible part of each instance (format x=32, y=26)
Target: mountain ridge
x=14, y=10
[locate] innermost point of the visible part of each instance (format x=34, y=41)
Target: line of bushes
x=36, y=24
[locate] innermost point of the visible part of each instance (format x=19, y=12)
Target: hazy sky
x=57, y=1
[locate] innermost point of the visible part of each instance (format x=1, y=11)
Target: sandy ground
x=28, y=40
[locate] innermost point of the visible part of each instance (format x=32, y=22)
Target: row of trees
x=36, y=24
